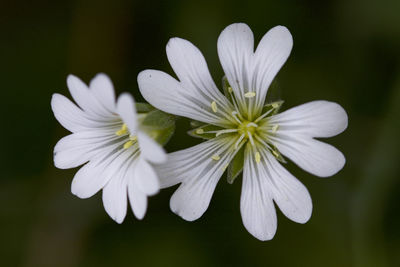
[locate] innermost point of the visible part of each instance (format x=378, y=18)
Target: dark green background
x=346, y=51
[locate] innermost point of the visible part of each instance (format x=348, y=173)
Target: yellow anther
x=199, y=131
x=230, y=90
x=250, y=94
x=123, y=130
x=275, y=105
x=133, y=137
x=128, y=144
x=214, y=106
x=257, y=157
x=275, y=128
x=216, y=157
x=276, y=154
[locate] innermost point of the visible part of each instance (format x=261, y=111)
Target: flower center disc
x=247, y=128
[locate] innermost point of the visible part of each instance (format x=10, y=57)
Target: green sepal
x=158, y=120
x=275, y=106
x=236, y=166
x=144, y=107
x=159, y=125
x=204, y=128
x=163, y=136
x=195, y=124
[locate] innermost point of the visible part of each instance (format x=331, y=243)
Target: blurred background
x=347, y=51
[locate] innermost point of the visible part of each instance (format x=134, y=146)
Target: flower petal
x=256, y=205
x=235, y=51
x=70, y=116
x=150, y=149
x=290, y=195
x=76, y=149
x=127, y=111
x=181, y=164
x=314, y=119
x=146, y=178
x=199, y=172
x=168, y=95
x=311, y=155
x=85, y=99
x=94, y=175
x=115, y=197
x=272, y=52
x=103, y=89
x=191, y=68
x=137, y=199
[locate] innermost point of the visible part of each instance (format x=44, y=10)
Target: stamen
x=238, y=141
x=263, y=115
x=230, y=90
x=234, y=113
x=128, y=144
x=257, y=156
x=251, y=124
x=250, y=94
x=123, y=130
x=199, y=131
x=259, y=139
x=214, y=106
x=216, y=157
x=250, y=138
x=276, y=154
x=275, y=105
x=234, y=102
x=218, y=133
x=132, y=137
x=275, y=128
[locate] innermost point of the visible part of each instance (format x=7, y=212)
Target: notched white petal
x=167, y=94
x=256, y=205
x=199, y=173
x=69, y=115
x=85, y=98
x=290, y=194
x=191, y=68
x=315, y=119
x=313, y=156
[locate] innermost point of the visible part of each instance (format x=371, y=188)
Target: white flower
x=107, y=137
x=242, y=121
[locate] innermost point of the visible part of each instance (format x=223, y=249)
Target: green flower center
x=247, y=128
x=244, y=123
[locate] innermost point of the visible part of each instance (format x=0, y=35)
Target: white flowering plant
x=244, y=132
x=118, y=141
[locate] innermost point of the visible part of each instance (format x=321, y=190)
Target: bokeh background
x=347, y=51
